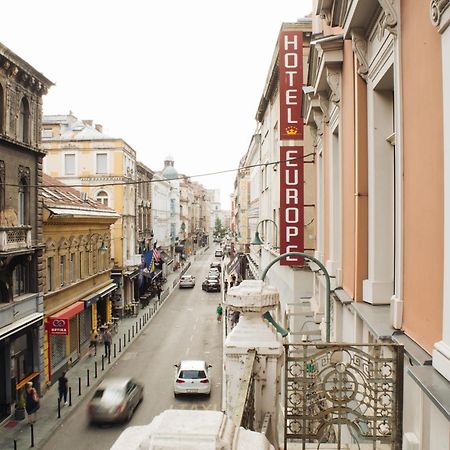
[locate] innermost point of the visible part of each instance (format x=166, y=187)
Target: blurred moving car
x=214, y=272
x=218, y=253
x=187, y=281
x=115, y=400
x=192, y=377
x=216, y=265
x=211, y=284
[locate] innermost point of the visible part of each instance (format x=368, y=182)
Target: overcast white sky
x=180, y=77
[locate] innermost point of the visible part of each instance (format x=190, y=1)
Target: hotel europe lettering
x=290, y=64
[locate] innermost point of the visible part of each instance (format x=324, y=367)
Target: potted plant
x=19, y=412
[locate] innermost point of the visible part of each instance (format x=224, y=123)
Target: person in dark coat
x=31, y=402
x=63, y=386
x=107, y=339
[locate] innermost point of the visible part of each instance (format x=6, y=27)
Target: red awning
x=69, y=312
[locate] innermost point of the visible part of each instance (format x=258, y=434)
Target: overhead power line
x=184, y=177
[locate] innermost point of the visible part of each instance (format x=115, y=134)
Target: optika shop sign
x=291, y=204
x=58, y=327
x=290, y=63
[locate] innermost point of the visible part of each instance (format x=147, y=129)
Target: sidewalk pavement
x=47, y=416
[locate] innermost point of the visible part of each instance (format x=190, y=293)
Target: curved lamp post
x=257, y=240
x=267, y=315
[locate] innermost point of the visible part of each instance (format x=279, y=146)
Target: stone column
x=252, y=298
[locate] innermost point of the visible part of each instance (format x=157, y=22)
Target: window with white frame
x=47, y=133
x=102, y=197
x=101, y=163
x=69, y=164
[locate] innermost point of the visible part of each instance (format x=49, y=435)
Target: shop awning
x=107, y=289
x=69, y=312
x=19, y=325
x=97, y=295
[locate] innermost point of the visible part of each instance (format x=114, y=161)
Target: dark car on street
x=211, y=284
x=216, y=265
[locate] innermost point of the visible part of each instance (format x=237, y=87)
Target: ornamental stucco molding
x=324, y=107
x=437, y=9
x=389, y=18
x=334, y=81
x=359, y=46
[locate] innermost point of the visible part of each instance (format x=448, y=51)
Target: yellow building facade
x=78, y=286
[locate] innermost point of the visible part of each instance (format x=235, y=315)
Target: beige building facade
x=80, y=154
x=375, y=105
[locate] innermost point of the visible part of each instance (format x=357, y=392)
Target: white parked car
x=187, y=281
x=192, y=377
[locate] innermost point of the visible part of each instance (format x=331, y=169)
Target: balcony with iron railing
x=15, y=238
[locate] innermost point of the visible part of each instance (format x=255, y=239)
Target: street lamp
x=257, y=240
x=267, y=315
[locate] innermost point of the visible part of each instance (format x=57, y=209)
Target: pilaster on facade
x=440, y=18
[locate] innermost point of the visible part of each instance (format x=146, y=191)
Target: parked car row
x=212, y=282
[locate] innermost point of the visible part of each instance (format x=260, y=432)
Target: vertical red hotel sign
x=291, y=128
x=290, y=65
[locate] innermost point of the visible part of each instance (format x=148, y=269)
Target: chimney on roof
x=83, y=196
x=99, y=127
x=88, y=123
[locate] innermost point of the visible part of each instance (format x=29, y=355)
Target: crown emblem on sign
x=291, y=130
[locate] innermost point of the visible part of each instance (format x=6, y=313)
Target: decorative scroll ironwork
x=335, y=392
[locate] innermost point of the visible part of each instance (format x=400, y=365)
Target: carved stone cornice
x=389, y=18
x=318, y=119
x=324, y=107
x=437, y=9
x=334, y=81
x=359, y=46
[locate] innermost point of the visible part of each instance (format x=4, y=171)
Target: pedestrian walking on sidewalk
x=63, y=386
x=31, y=401
x=158, y=291
x=225, y=286
x=107, y=339
x=219, y=312
x=93, y=342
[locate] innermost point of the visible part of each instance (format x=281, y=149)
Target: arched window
x=22, y=200
x=2, y=109
x=24, y=121
x=102, y=197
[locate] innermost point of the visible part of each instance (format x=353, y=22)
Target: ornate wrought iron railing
x=12, y=238
x=244, y=415
x=337, y=393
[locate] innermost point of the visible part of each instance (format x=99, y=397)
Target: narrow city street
x=185, y=328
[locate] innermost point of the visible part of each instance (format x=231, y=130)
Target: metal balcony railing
x=339, y=394
x=15, y=238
